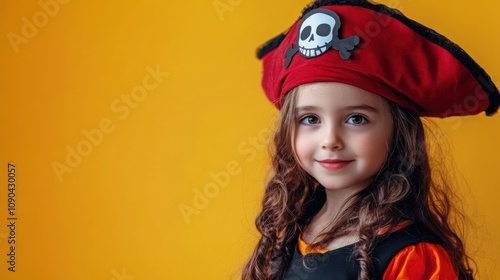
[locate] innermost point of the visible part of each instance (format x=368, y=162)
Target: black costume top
x=339, y=264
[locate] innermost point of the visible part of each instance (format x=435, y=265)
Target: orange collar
x=305, y=249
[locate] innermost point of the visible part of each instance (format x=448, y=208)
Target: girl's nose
x=332, y=140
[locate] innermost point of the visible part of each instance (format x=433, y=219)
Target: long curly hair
x=405, y=189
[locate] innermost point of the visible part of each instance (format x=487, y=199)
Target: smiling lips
x=334, y=164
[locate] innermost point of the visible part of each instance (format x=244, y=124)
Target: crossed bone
x=344, y=46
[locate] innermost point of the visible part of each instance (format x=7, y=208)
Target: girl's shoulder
x=420, y=261
x=412, y=252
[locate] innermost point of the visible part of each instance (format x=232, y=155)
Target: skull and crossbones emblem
x=318, y=32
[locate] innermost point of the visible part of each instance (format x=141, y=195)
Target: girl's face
x=342, y=134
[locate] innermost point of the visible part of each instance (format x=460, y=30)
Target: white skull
x=315, y=33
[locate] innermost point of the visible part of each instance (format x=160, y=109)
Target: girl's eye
x=309, y=120
x=357, y=120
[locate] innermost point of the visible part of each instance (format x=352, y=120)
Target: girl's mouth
x=334, y=164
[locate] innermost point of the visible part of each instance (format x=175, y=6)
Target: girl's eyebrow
x=307, y=108
x=362, y=107
x=347, y=108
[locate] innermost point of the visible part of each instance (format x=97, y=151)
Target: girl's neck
x=325, y=218
x=335, y=202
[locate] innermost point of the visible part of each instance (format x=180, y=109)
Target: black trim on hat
x=270, y=45
x=477, y=71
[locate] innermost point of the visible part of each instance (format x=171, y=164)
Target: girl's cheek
x=303, y=145
x=372, y=145
x=300, y=147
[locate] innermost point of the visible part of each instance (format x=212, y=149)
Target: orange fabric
x=422, y=261
x=396, y=228
x=304, y=248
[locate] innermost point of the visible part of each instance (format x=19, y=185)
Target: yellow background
x=201, y=128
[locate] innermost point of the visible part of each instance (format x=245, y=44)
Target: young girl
x=352, y=194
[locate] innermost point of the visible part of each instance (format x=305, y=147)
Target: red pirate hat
x=378, y=49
